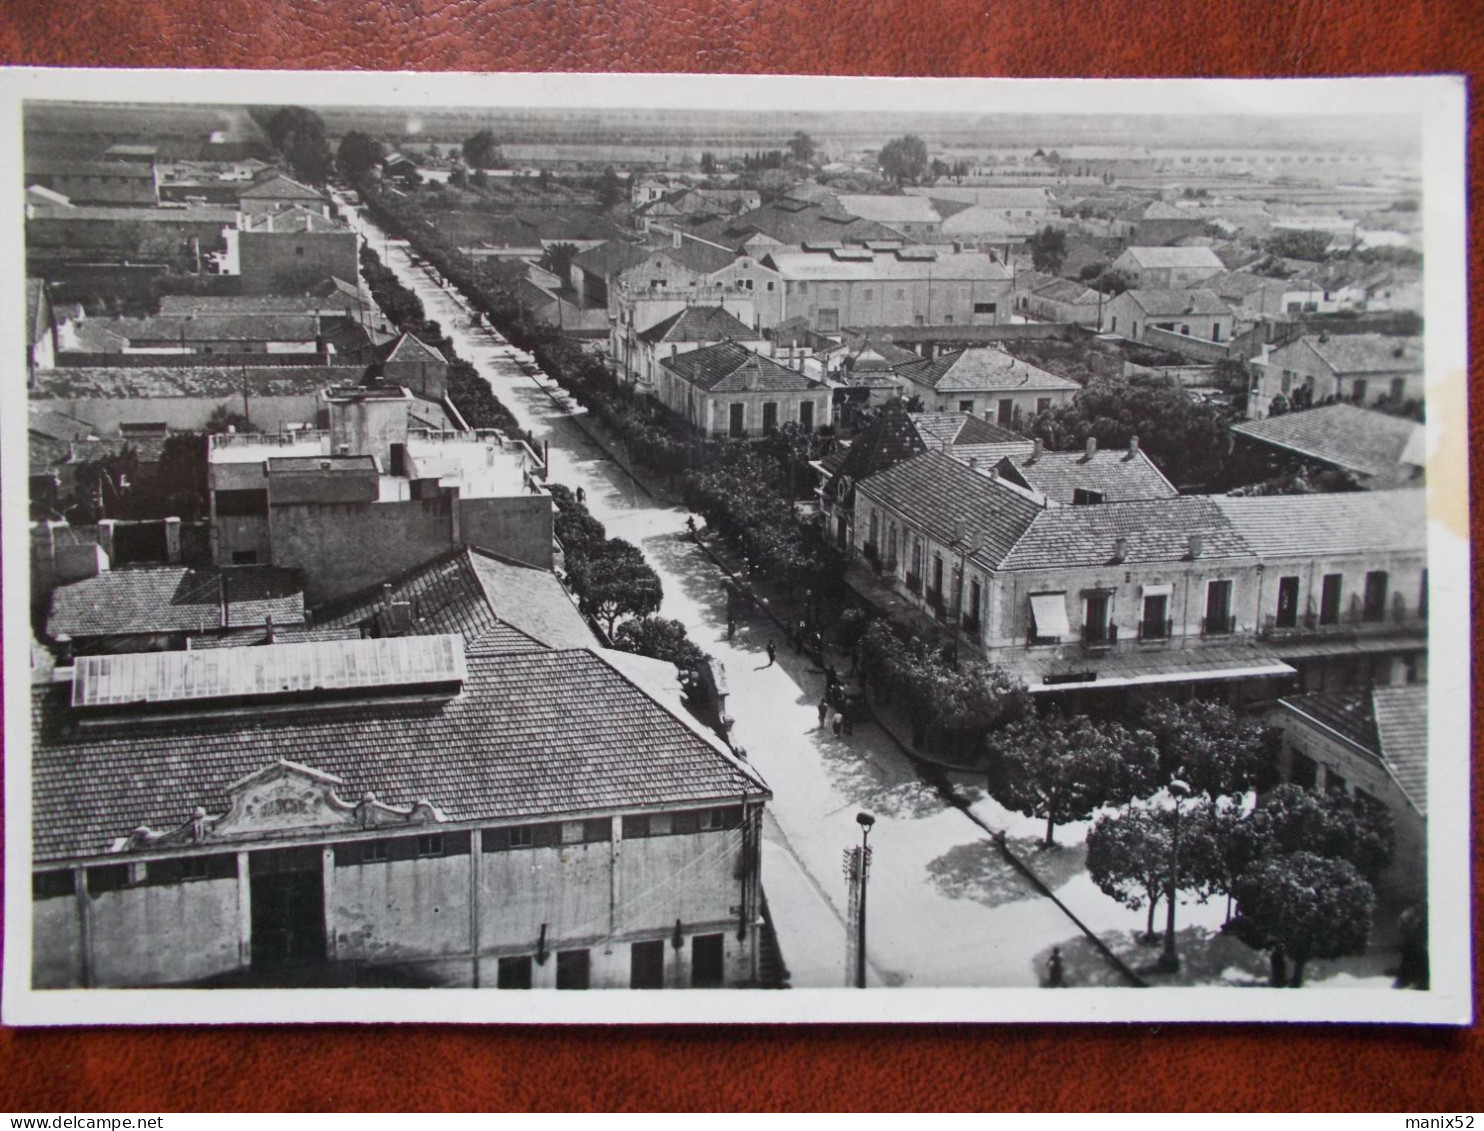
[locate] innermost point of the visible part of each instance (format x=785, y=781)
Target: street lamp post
x=865, y=821
x=1169, y=961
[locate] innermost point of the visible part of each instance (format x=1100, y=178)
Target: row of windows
x=646, y=966
x=101, y=878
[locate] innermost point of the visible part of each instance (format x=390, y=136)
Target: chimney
x=225, y=607
x=675, y=238
x=268, y=629
x=973, y=463
x=1133, y=445
x=1196, y=543
x=1038, y=446
x=386, y=594
x=1120, y=549
x=1092, y=446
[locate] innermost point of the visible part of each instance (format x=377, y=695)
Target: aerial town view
x=587, y=549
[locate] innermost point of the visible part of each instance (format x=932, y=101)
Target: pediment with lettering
x=282, y=799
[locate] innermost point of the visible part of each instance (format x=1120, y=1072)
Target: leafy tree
x=1048, y=249
x=904, y=160
x=1110, y=282
x=1213, y=750
x=558, y=260
x=615, y=583
x=610, y=188
x=223, y=418
x=659, y=638
x=1128, y=857
x=801, y=147
x=357, y=155
x=299, y=134
x=1307, y=906
x=1063, y=768
x=708, y=163
x=1312, y=246
x=1218, y=844
x=481, y=152
x=1292, y=819
x=458, y=176
x=182, y=479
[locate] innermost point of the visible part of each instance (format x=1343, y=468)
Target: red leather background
x=835, y=1067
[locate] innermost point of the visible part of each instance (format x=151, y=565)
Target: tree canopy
x=1211, y=748
x=481, y=152
x=1292, y=819
x=1128, y=857
x=617, y=582
x=660, y=639
x=1307, y=906
x=1063, y=768
x=357, y=155
x=801, y=147
x=299, y=134
x=904, y=160
x=1048, y=249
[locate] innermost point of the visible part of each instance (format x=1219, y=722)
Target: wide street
x=945, y=909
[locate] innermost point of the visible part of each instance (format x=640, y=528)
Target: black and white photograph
x=957, y=550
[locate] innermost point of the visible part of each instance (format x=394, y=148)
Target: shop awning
x=1050, y=611
x=1156, y=590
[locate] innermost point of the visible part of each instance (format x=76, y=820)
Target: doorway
x=288, y=907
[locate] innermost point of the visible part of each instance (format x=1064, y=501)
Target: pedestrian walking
x=837, y=724
x=731, y=624
x=798, y=634
x=772, y=653
x=1054, y=969
x=824, y=709
x=831, y=677
x=581, y=495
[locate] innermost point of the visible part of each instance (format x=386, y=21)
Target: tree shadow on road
x=869, y=785
x=1207, y=958
x=979, y=871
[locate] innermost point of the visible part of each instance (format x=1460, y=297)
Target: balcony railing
x=1349, y=622
x=1156, y=631
x=1099, y=637
x=1218, y=626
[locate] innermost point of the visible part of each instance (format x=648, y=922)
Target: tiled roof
x=1157, y=530
x=1159, y=210
x=222, y=217
x=1065, y=290
x=211, y=382
x=1174, y=257
x=889, y=440
x=294, y=219
x=608, y=259
x=697, y=324
x=937, y=428
x=949, y=267
x=151, y=599
x=890, y=209
x=948, y=501
x=983, y=369
x=1347, y=713
x=281, y=188
x=1177, y=303
x=793, y=222
x=701, y=257
x=332, y=303
x=535, y=735
x=1401, y=724
x=1118, y=476
x=69, y=167
x=235, y=326
x=409, y=347
x=1313, y=525
x=1356, y=439
x=731, y=368
x=1367, y=353
x=291, y=635
x=865, y=348
x=1040, y=668
x=473, y=593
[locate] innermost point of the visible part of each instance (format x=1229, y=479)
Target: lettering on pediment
x=283, y=798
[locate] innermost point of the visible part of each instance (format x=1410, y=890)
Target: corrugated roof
x=535, y=735
x=698, y=324
x=1356, y=439
x=1157, y=530
x=949, y=501
x=983, y=369
x=1305, y=525
x=1118, y=476
x=731, y=368
x=153, y=599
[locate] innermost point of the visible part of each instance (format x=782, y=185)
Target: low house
x=913, y=216
x=1081, y=478
x=728, y=391
x=1162, y=317
x=1065, y=301
x=1168, y=268
x=277, y=193
x=1376, y=449
x=409, y=361
x=641, y=352
x=157, y=607
x=985, y=380
x=105, y=182
x=1160, y=224
x=1369, y=744
x=791, y=222
x=1254, y=296
x=1362, y=369
x=432, y=814
x=285, y=251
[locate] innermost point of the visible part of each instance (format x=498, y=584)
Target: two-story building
x=402, y=811
x=837, y=287
x=640, y=351
x=1362, y=369
x=727, y=391
x=1314, y=591
x=987, y=381
x=1170, y=318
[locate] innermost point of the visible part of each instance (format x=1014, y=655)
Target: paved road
x=945, y=909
